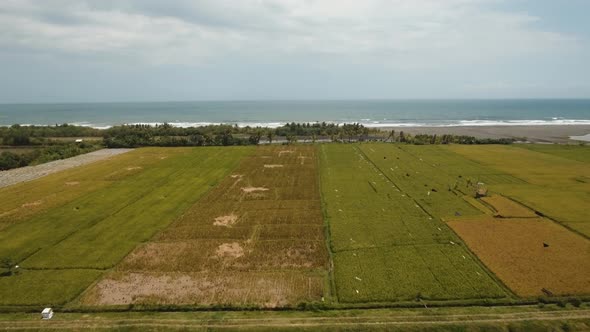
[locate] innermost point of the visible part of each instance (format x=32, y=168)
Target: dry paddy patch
x=253, y=189
x=230, y=250
x=532, y=256
x=226, y=221
x=269, y=290
x=257, y=238
x=273, y=166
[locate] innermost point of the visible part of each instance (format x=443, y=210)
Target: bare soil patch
x=302, y=159
x=32, y=204
x=254, y=189
x=273, y=166
x=282, y=152
x=232, y=250
x=133, y=168
x=72, y=183
x=226, y=221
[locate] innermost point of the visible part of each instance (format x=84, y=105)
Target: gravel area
x=24, y=174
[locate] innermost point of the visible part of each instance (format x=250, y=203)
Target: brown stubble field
x=532, y=256
x=256, y=239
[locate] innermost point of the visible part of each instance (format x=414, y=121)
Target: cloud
x=397, y=33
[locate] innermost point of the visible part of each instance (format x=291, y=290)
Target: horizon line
x=290, y=100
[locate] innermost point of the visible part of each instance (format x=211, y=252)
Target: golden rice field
x=506, y=208
x=533, y=256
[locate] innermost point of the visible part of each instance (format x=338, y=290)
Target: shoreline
x=535, y=134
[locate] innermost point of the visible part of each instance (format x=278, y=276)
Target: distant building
x=79, y=140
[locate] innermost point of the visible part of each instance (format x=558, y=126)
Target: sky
x=153, y=50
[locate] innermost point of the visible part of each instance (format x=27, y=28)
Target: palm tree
x=270, y=134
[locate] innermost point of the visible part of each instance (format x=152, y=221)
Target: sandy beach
x=538, y=134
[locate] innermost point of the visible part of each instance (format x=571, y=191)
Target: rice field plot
x=96, y=230
x=532, y=256
x=535, y=168
x=569, y=207
x=507, y=208
x=22, y=201
x=253, y=288
x=44, y=287
x=557, y=187
x=409, y=272
x=574, y=152
x=256, y=239
x=435, y=190
x=386, y=247
x=458, y=168
x=172, y=187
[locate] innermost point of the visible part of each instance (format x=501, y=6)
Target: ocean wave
x=585, y=138
x=365, y=122
x=555, y=121
x=480, y=123
x=386, y=124
x=203, y=124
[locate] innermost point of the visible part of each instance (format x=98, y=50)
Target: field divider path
x=327, y=230
x=385, y=320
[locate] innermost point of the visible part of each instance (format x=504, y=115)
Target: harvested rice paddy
x=534, y=257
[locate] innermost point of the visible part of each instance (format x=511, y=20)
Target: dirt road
x=23, y=174
x=312, y=321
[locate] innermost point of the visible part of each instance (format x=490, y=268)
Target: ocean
x=371, y=113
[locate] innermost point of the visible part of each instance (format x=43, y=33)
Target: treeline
x=168, y=135
x=423, y=139
x=40, y=155
x=18, y=135
x=224, y=135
